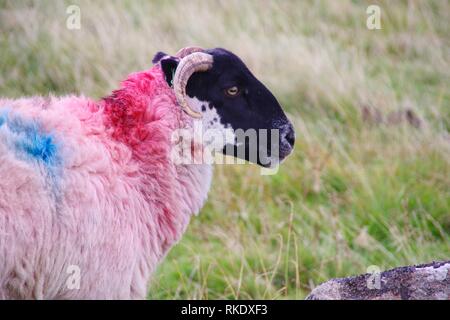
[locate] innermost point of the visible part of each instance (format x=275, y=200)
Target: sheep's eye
x=232, y=91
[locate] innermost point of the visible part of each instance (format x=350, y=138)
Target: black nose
x=290, y=136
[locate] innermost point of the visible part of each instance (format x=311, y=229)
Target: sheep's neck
x=143, y=115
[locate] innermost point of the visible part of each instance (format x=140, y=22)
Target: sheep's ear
x=169, y=65
x=158, y=56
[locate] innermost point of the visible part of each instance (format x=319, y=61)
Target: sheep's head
x=215, y=87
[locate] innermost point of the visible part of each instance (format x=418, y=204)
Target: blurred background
x=369, y=180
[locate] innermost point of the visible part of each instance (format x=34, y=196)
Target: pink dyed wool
x=89, y=199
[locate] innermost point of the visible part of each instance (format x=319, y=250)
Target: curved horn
x=194, y=62
x=187, y=51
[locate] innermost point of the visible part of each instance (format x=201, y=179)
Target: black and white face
x=230, y=97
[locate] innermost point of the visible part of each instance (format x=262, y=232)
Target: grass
x=355, y=192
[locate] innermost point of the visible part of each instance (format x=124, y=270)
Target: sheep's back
x=63, y=190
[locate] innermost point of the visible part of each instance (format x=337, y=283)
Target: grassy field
x=369, y=180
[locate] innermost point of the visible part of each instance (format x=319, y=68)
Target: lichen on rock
x=421, y=282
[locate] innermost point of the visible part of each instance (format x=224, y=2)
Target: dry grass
x=355, y=193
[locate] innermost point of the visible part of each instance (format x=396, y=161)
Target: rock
x=422, y=282
x=373, y=116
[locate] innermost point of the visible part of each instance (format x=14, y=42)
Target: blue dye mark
x=29, y=139
x=30, y=143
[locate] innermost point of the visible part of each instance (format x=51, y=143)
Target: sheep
x=90, y=200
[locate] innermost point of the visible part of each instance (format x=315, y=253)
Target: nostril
x=290, y=137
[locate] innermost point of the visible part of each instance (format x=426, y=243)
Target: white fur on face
x=215, y=133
